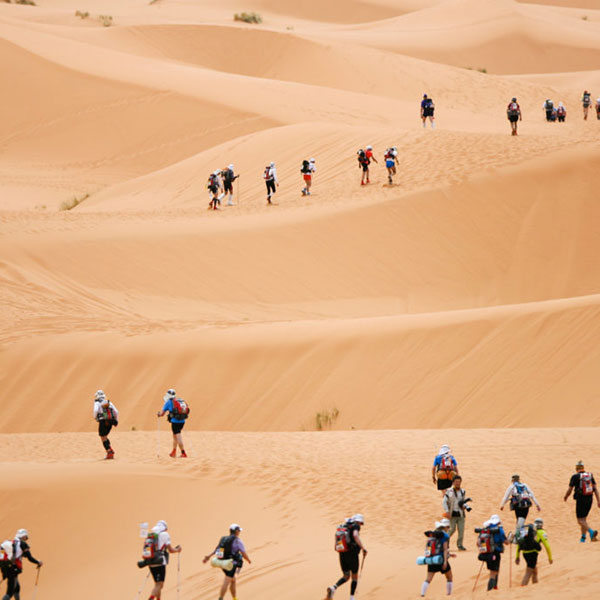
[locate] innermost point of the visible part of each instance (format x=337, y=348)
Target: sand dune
x=460, y=305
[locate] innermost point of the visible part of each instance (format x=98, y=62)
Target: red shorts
x=307, y=177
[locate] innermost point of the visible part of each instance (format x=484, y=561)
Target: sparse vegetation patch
x=326, y=418
x=251, y=17
x=69, y=204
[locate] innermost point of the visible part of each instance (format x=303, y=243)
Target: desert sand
x=460, y=305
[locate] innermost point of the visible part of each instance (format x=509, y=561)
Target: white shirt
x=104, y=403
x=451, y=500
x=272, y=174
x=512, y=491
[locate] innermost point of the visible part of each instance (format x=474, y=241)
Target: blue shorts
x=389, y=163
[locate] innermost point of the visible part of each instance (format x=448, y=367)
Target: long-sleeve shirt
x=101, y=406
x=542, y=537
x=512, y=491
x=21, y=550
x=271, y=174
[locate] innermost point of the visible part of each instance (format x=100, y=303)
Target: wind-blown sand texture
x=460, y=305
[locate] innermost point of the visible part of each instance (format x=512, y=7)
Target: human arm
x=543, y=539
x=446, y=504
x=433, y=474
x=446, y=553
x=596, y=492
x=208, y=556
x=507, y=495
x=31, y=559
x=166, y=408
x=96, y=410
x=173, y=549
x=571, y=487
x=358, y=541
x=455, y=466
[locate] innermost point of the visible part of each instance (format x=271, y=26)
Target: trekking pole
x=477, y=578
x=178, y=567
x=157, y=437
x=35, y=587
x=510, y=565
x=237, y=192
x=137, y=596
x=362, y=565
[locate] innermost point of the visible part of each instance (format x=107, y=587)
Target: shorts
x=492, y=560
x=531, y=559
x=176, y=427
x=365, y=167
x=307, y=177
x=439, y=568
x=158, y=573
x=232, y=572
x=444, y=484
x=428, y=112
x=521, y=512
x=349, y=562
x=213, y=189
x=583, y=505
x=389, y=163
x=586, y=105
x=270, y=186
x=228, y=187
x=513, y=118
x=104, y=427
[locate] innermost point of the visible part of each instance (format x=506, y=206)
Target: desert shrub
x=248, y=17
x=482, y=70
x=82, y=14
x=326, y=418
x=73, y=202
x=26, y=2
x=106, y=20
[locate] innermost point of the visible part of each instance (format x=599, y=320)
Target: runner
x=228, y=179
x=513, y=113
x=214, y=186
x=586, y=101
x=13, y=567
x=178, y=413
x=230, y=547
x=349, y=546
x=391, y=160
x=308, y=169
x=491, y=542
x=521, y=498
x=107, y=415
x=159, y=541
x=584, y=487
x=437, y=555
x=427, y=110
x=530, y=544
x=444, y=469
x=270, y=176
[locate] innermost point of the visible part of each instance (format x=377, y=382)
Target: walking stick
x=157, y=437
x=37, y=578
x=143, y=586
x=510, y=565
x=178, y=580
x=237, y=192
x=477, y=578
x=362, y=565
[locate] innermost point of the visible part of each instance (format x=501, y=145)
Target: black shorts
x=521, y=512
x=176, y=427
x=349, y=562
x=365, y=167
x=513, y=118
x=439, y=568
x=531, y=559
x=492, y=560
x=227, y=187
x=158, y=573
x=213, y=189
x=428, y=112
x=104, y=427
x=444, y=484
x=270, y=186
x=583, y=505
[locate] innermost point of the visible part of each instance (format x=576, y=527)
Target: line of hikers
x=553, y=113
x=107, y=416
x=492, y=538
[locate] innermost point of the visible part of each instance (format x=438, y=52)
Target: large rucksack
x=267, y=174
x=520, y=497
x=180, y=409
x=549, y=104
x=586, y=486
x=363, y=159
x=485, y=542
x=151, y=553
x=434, y=546
x=513, y=109
x=212, y=181
x=106, y=413
x=526, y=538
x=343, y=539
x=587, y=98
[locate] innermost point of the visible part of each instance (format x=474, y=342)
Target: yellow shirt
x=542, y=537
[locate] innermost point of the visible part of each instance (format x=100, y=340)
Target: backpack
x=446, y=463
x=586, y=486
x=362, y=158
x=485, y=541
x=586, y=98
x=526, y=539
x=428, y=102
x=106, y=413
x=267, y=175
x=212, y=181
x=223, y=551
x=6, y=551
x=305, y=167
x=561, y=110
x=151, y=553
x=180, y=409
x=342, y=537
x=520, y=497
x=549, y=104
x=513, y=109
x=434, y=546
